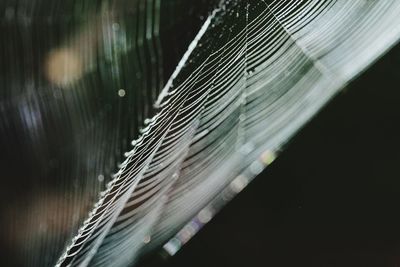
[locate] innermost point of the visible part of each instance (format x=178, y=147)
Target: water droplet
x=121, y=92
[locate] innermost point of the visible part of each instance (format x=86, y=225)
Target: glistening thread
x=257, y=73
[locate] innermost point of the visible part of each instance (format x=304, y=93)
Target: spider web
x=255, y=74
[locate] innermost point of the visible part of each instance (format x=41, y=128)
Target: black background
x=332, y=198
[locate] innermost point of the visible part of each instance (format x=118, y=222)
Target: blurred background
x=77, y=81
x=330, y=199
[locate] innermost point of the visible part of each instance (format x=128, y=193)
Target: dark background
x=332, y=198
